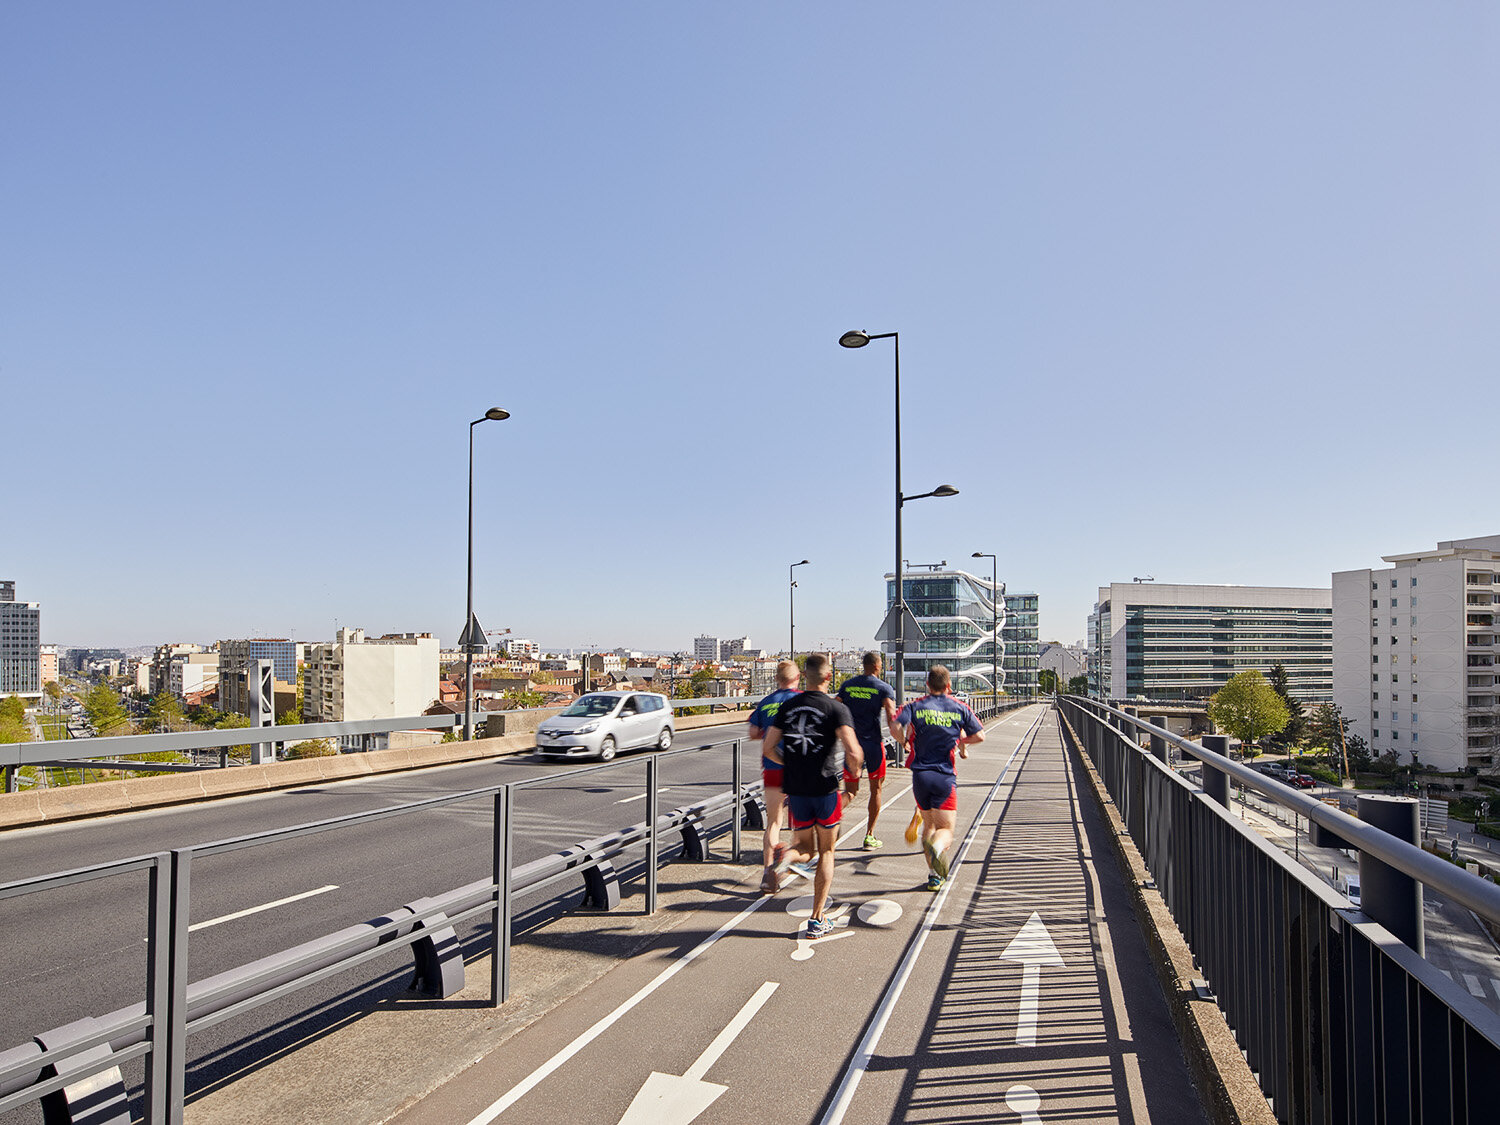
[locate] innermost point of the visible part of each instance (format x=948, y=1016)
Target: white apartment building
x=193, y=672
x=353, y=678
x=523, y=648
x=1415, y=654
x=1164, y=641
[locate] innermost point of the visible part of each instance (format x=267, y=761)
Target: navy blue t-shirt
x=937, y=722
x=865, y=697
x=812, y=755
x=764, y=717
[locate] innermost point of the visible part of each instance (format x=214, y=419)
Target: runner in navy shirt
x=762, y=719
x=938, y=726
x=813, y=736
x=866, y=697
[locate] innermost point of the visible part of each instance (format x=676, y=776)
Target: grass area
x=53, y=728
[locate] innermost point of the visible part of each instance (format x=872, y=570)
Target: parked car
x=602, y=723
x=1302, y=781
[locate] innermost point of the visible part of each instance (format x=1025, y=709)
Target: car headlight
x=587, y=728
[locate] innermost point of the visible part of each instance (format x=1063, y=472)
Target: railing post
x=12, y=779
x=175, y=1047
x=1216, y=781
x=1386, y=895
x=653, y=842
x=501, y=922
x=739, y=802
x=1158, y=743
x=158, y=987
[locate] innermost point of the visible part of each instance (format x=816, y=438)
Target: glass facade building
x=1168, y=642
x=20, y=644
x=958, y=612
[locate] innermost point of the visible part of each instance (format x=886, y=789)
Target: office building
x=1415, y=654
x=1021, y=646
x=706, y=649
x=238, y=657
x=351, y=678
x=1163, y=642
x=20, y=644
x=957, y=613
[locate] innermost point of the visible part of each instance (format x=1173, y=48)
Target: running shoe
x=770, y=882
x=934, y=882
x=872, y=844
x=818, y=927
x=807, y=870
x=780, y=859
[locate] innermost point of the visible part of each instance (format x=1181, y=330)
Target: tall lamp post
x=472, y=633
x=858, y=339
x=791, y=594
x=995, y=638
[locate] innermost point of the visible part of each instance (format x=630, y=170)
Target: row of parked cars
x=1289, y=776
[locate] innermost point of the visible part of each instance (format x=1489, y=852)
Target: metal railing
x=1340, y=1019
x=76, y=1067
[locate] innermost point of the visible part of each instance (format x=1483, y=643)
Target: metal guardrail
x=76, y=1067
x=1340, y=1020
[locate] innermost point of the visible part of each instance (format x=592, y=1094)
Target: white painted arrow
x=1033, y=948
x=670, y=1099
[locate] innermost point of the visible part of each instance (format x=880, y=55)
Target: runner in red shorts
x=939, y=725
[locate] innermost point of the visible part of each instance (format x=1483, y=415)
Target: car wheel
x=664, y=739
x=607, y=748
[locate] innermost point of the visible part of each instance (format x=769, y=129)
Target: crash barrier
x=1340, y=1019
x=74, y=1070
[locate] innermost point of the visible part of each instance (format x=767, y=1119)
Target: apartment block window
x=1393, y=583
x=1374, y=603
x=1413, y=736
x=1413, y=622
x=1374, y=677
x=1375, y=733
x=1374, y=585
x=1374, y=640
x=1413, y=697
x=1374, y=623
x=1413, y=720
x=1395, y=716
x=1393, y=640
x=1395, y=677
x=1393, y=602
x=1414, y=580
x=1375, y=658
x=1414, y=601
x=1375, y=695
x=1393, y=623
x=1375, y=715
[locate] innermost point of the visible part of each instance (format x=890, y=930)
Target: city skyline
x=1167, y=280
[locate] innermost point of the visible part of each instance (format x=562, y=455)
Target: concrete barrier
x=101, y=798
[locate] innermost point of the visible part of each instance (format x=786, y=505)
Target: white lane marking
x=1495, y=984
x=844, y=1096
x=264, y=906
x=806, y=946
x=879, y=912
x=1033, y=947
x=1025, y=1101
x=537, y=1076
x=674, y=1100
x=1474, y=986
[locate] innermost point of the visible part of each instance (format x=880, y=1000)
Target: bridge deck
x=1022, y=993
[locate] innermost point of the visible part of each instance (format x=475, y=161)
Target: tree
x=102, y=706
x=518, y=698
x=13, y=707
x=312, y=748
x=1296, y=724
x=1079, y=684
x=1248, y=708
x=1046, y=681
x=293, y=717
x=543, y=678
x=164, y=713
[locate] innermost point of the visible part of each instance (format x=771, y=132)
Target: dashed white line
x=1475, y=988
x=264, y=906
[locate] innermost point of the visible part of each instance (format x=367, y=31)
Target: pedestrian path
x=1021, y=992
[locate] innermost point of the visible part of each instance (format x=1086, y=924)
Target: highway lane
x=744, y=1020
x=81, y=950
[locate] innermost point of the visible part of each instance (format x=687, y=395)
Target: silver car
x=602, y=723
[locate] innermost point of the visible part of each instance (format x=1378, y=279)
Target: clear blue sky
x=1206, y=292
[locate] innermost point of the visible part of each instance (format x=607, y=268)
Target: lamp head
x=802, y=563
x=854, y=339
x=945, y=490
x=979, y=555
x=495, y=414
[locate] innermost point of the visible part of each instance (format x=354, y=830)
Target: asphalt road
x=79, y=951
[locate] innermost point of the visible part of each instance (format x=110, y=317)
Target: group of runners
x=815, y=746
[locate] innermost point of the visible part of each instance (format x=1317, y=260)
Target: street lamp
x=791, y=594
x=858, y=339
x=995, y=639
x=472, y=633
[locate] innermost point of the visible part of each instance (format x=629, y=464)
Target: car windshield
x=591, y=706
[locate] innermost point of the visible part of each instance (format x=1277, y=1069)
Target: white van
x=1349, y=884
